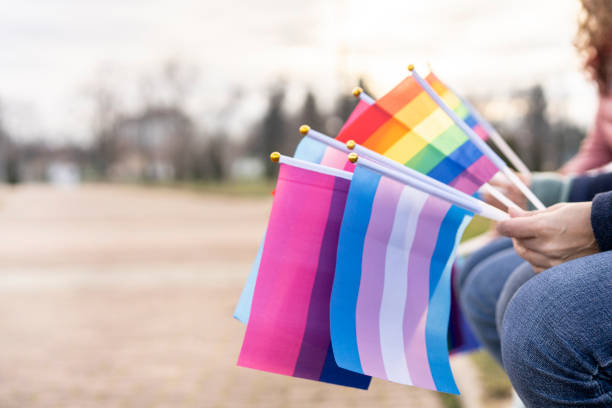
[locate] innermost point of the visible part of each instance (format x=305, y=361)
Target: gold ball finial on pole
x=411, y=67
x=352, y=157
x=350, y=144
x=357, y=91
x=275, y=157
x=304, y=129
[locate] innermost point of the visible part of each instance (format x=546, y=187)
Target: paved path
x=122, y=297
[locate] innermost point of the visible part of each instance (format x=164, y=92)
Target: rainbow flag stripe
x=406, y=125
x=391, y=297
x=288, y=328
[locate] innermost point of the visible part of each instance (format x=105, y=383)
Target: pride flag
x=309, y=150
x=391, y=296
x=407, y=126
x=288, y=329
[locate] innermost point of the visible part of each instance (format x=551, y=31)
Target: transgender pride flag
x=288, y=328
x=391, y=296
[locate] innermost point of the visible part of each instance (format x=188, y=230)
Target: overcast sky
x=51, y=49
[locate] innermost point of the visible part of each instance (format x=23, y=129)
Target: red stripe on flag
x=365, y=124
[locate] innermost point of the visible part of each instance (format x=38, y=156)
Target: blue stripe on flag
x=348, y=268
x=243, y=308
x=337, y=375
x=456, y=163
x=470, y=120
x=436, y=329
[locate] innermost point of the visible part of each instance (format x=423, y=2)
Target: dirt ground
x=115, y=296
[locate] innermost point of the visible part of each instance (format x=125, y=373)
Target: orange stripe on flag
x=386, y=135
x=399, y=96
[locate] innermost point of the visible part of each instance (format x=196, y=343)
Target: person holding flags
x=541, y=301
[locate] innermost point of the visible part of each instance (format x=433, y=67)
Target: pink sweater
x=596, y=149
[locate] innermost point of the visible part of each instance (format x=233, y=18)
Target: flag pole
x=359, y=93
x=276, y=157
x=468, y=203
x=480, y=144
x=486, y=187
x=499, y=141
x=383, y=161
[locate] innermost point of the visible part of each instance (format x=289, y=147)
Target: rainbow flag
x=313, y=151
x=391, y=296
x=406, y=125
x=288, y=327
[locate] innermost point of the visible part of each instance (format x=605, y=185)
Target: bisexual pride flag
x=288, y=330
x=391, y=296
x=407, y=126
x=309, y=150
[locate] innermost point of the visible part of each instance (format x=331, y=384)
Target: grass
x=449, y=400
x=479, y=225
x=492, y=377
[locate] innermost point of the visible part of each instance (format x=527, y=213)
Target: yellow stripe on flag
x=434, y=125
x=406, y=148
x=418, y=109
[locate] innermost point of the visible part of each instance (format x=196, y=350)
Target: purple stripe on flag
x=476, y=175
x=316, y=340
x=417, y=299
x=372, y=273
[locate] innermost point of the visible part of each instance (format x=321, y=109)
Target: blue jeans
x=552, y=332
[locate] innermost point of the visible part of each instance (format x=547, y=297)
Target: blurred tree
x=9, y=156
x=272, y=129
x=537, y=127
x=567, y=138
x=309, y=115
x=105, y=114
x=171, y=85
x=346, y=102
x=216, y=155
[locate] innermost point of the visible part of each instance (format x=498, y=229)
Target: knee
x=479, y=256
x=530, y=337
x=548, y=335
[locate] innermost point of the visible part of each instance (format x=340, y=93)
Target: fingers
x=519, y=226
x=536, y=259
x=515, y=212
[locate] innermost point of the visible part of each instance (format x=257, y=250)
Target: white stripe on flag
x=395, y=285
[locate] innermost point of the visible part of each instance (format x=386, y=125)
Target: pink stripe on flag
x=474, y=176
x=417, y=299
x=334, y=158
x=369, y=301
x=287, y=271
x=479, y=130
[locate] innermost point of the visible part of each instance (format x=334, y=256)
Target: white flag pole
x=468, y=203
x=497, y=139
x=486, y=187
x=276, y=157
x=482, y=146
x=385, y=162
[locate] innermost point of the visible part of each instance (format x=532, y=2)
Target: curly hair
x=594, y=40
